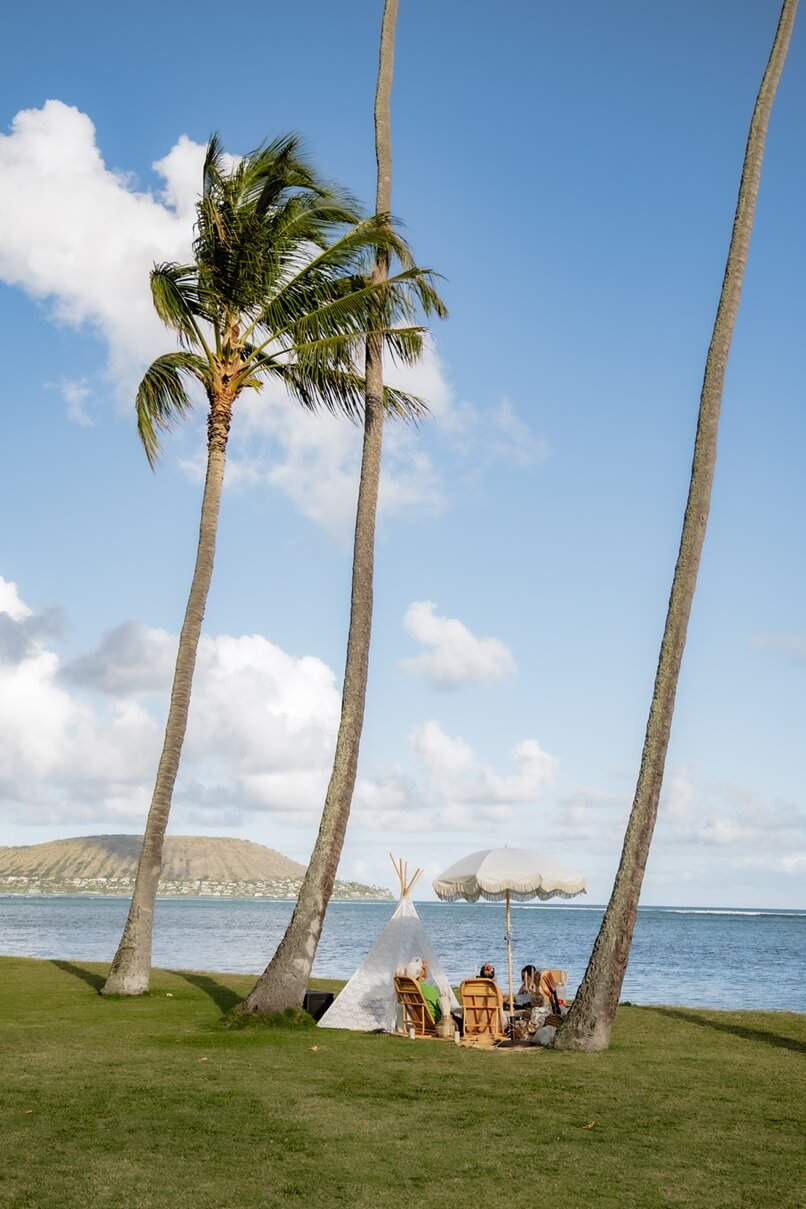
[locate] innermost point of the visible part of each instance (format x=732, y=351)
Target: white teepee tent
x=368, y=1002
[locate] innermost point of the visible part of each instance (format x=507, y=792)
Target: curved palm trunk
x=285, y=979
x=131, y=967
x=590, y=1020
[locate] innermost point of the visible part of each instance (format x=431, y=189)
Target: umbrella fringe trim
x=474, y=893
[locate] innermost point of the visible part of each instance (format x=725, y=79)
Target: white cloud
x=81, y=742
x=81, y=236
x=75, y=395
x=267, y=712
x=457, y=655
x=181, y=170
x=454, y=772
x=455, y=794
x=81, y=739
x=10, y=602
x=130, y=659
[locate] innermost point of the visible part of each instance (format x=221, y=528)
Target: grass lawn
x=152, y=1103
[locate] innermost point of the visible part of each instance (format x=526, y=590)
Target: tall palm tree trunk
x=285, y=979
x=590, y=1020
x=131, y=967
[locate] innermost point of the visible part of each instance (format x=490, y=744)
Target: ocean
x=692, y=957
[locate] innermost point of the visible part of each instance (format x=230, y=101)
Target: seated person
x=488, y=971
x=418, y=970
x=549, y=987
x=530, y=985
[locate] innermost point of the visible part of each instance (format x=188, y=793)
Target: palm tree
x=284, y=980
x=280, y=287
x=590, y=1020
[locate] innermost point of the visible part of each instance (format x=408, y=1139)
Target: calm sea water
x=692, y=957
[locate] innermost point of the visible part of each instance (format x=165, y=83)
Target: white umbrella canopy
x=515, y=872
x=507, y=873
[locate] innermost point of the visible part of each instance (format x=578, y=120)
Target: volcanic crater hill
x=192, y=865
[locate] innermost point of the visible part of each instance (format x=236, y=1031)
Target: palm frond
x=162, y=399
x=175, y=293
x=212, y=171
x=342, y=392
x=352, y=306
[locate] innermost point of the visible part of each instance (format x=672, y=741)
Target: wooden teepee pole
x=401, y=869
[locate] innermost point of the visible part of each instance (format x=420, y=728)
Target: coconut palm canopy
x=280, y=287
x=514, y=872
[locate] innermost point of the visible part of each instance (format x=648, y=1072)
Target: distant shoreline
x=189, y=897
x=389, y=898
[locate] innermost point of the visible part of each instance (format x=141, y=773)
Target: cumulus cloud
x=130, y=659
x=82, y=738
x=453, y=792
x=81, y=741
x=457, y=656
x=21, y=630
x=82, y=237
x=453, y=770
x=11, y=604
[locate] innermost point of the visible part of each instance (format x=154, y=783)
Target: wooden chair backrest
x=416, y=1011
x=552, y=981
x=482, y=1003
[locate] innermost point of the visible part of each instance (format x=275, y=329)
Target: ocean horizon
x=710, y=957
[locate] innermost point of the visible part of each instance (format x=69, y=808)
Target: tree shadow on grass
x=223, y=997
x=96, y=981
x=738, y=1030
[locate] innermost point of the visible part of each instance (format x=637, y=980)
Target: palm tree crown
x=280, y=286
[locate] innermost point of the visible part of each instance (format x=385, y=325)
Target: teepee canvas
x=368, y=1000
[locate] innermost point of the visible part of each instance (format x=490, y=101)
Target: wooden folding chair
x=482, y=1006
x=551, y=983
x=416, y=1012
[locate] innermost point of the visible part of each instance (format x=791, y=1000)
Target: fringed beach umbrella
x=501, y=874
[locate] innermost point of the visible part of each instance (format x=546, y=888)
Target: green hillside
x=192, y=865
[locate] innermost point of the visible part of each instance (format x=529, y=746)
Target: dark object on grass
x=316, y=1003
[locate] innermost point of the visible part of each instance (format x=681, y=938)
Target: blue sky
x=572, y=173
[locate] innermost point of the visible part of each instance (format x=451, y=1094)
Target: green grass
x=152, y=1103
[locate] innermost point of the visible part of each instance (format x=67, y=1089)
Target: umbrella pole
x=509, y=967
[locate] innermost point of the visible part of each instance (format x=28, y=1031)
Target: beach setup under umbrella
x=501, y=874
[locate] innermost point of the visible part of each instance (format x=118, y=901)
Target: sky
x=571, y=172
